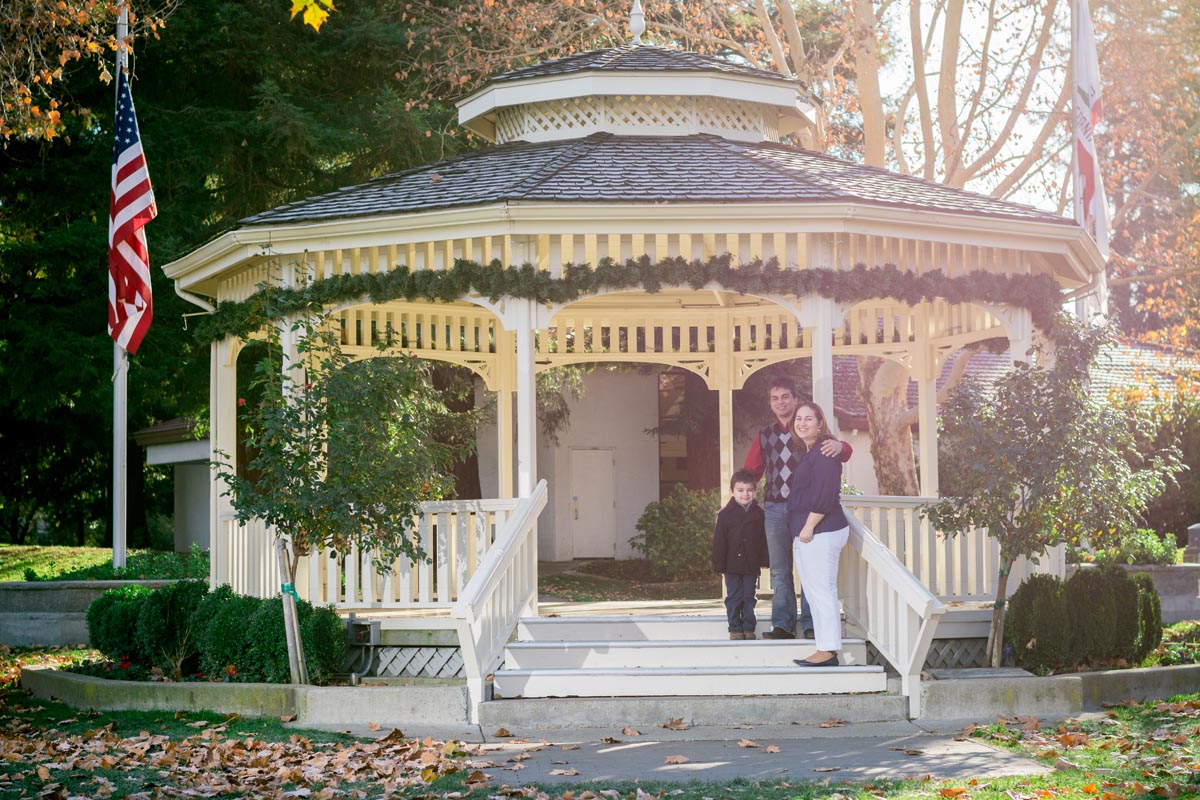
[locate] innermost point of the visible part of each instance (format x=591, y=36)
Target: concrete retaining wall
x=431, y=704
x=51, y=613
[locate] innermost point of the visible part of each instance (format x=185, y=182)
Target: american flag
x=1091, y=210
x=130, y=305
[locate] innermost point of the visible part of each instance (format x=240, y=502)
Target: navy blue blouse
x=816, y=485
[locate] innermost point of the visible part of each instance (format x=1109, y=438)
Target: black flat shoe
x=804, y=662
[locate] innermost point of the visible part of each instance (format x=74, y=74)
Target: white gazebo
x=638, y=152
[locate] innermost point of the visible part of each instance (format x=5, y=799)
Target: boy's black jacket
x=740, y=541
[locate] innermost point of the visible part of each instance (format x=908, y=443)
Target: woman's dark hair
x=823, y=435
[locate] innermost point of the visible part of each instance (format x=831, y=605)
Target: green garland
x=1039, y=294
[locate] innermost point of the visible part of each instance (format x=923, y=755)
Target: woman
x=820, y=528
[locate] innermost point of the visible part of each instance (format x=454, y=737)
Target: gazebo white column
x=222, y=420
x=724, y=385
x=505, y=378
x=925, y=370
x=819, y=316
x=524, y=323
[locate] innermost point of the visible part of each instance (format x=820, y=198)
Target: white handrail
x=896, y=611
x=503, y=588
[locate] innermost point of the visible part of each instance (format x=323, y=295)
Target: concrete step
x=628, y=628
x=695, y=681
x=679, y=653
x=646, y=713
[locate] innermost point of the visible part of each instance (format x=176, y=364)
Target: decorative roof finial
x=637, y=22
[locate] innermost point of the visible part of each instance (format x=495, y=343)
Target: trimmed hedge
x=183, y=629
x=112, y=622
x=1098, y=616
x=1036, y=624
x=676, y=533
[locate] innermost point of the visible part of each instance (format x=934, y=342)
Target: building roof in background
x=1120, y=369
x=633, y=57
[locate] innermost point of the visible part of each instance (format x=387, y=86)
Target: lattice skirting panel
x=945, y=654
x=412, y=662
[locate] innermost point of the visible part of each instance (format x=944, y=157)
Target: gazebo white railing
x=503, y=590
x=960, y=568
x=456, y=533
x=896, y=611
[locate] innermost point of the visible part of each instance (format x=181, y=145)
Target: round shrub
x=221, y=627
x=1090, y=611
x=322, y=632
x=164, y=627
x=676, y=533
x=1035, y=625
x=1125, y=612
x=1150, y=628
x=112, y=622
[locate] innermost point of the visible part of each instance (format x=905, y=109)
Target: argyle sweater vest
x=779, y=462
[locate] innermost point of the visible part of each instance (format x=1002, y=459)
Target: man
x=773, y=458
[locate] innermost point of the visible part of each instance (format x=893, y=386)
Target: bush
x=221, y=628
x=676, y=533
x=1125, y=622
x=1035, y=625
x=164, y=627
x=112, y=622
x=1150, y=627
x=1090, y=611
x=1143, y=546
x=324, y=636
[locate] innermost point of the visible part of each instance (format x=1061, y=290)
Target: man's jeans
x=783, y=585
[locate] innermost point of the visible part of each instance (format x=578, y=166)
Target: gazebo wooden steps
x=668, y=656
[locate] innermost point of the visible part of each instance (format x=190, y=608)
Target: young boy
x=739, y=552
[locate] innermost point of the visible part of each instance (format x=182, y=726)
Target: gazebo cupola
x=636, y=90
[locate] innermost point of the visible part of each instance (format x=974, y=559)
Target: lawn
x=32, y=562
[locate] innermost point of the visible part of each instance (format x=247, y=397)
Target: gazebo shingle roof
x=637, y=58
x=604, y=167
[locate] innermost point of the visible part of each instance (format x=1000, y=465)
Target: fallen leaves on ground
x=833, y=722
x=674, y=724
x=217, y=760
x=676, y=759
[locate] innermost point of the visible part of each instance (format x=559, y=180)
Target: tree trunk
x=291, y=624
x=883, y=387
x=995, y=643
x=865, y=46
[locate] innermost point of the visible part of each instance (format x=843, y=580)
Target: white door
x=593, y=502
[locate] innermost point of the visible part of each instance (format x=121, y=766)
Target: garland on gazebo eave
x=1039, y=294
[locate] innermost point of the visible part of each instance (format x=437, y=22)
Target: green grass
x=31, y=562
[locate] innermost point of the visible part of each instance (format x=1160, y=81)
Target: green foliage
x=1180, y=644
x=1091, y=608
x=112, y=621
x=165, y=633
x=1149, y=612
x=676, y=533
x=1036, y=625
x=324, y=637
x=1038, y=294
x=220, y=624
x=344, y=451
x=1039, y=462
x=1142, y=546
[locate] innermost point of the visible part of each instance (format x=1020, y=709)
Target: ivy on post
x=1039, y=462
x=342, y=451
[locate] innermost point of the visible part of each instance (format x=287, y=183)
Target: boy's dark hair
x=784, y=382
x=742, y=476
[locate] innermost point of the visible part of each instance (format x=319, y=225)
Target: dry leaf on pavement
x=627, y=731
x=771, y=748
x=677, y=759
x=833, y=722
x=748, y=743
x=674, y=724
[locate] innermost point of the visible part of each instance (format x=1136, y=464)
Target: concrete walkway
x=782, y=752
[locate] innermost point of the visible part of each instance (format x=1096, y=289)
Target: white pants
x=817, y=563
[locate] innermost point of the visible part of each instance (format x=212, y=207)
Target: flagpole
x=120, y=378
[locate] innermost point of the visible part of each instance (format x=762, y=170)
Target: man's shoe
x=736, y=635
x=804, y=662
x=748, y=635
x=809, y=633
x=779, y=633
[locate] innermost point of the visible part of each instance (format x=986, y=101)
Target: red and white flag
x=130, y=304
x=1091, y=210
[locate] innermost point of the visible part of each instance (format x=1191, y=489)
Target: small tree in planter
x=1038, y=462
x=343, y=451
